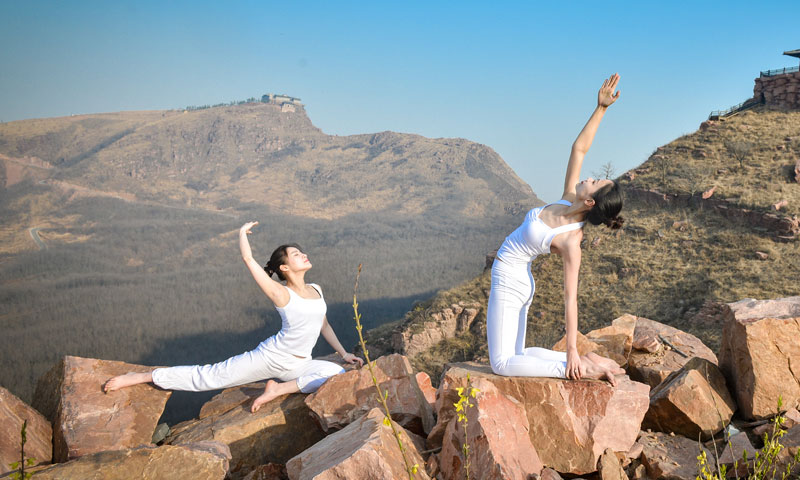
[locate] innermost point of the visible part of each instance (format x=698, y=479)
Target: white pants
x=264, y=362
x=506, y=320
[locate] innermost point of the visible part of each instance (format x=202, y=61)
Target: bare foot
x=122, y=381
x=270, y=392
x=598, y=372
x=606, y=363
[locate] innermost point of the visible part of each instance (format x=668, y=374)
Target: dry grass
x=704, y=159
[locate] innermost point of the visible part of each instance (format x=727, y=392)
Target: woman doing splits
x=554, y=228
x=285, y=356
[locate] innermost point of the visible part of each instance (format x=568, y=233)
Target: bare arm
x=571, y=254
x=274, y=290
x=330, y=337
x=605, y=97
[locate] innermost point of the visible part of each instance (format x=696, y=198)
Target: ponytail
x=607, y=205
x=278, y=258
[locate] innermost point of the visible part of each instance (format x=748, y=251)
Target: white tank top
x=532, y=238
x=301, y=323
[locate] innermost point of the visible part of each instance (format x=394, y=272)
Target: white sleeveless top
x=302, y=320
x=532, y=238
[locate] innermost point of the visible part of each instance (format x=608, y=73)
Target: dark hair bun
x=615, y=223
x=270, y=271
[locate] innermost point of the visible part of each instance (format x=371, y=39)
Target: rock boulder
x=348, y=396
x=653, y=368
x=275, y=433
x=86, y=420
x=731, y=456
x=691, y=401
x=424, y=382
x=206, y=460
x=673, y=457
x=39, y=433
x=610, y=467
x=498, y=437
x=444, y=324
x=366, y=448
x=760, y=354
x=570, y=422
x=613, y=342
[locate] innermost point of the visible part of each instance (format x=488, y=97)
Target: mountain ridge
x=219, y=156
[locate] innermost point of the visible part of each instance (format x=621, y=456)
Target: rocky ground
x=677, y=399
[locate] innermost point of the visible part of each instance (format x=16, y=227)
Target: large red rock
x=366, y=448
x=348, y=396
x=653, y=368
x=231, y=398
x=617, y=338
x=278, y=431
x=691, y=401
x=570, y=422
x=613, y=342
x=206, y=460
x=86, y=420
x=760, y=354
x=38, y=432
x=671, y=457
x=498, y=438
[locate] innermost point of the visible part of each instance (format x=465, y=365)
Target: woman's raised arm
x=274, y=290
x=605, y=97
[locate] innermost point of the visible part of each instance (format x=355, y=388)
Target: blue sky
x=520, y=77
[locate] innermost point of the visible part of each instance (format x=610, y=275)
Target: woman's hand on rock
x=575, y=369
x=350, y=358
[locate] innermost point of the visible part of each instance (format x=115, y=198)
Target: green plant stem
x=381, y=396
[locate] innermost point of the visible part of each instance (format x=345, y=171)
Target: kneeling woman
x=554, y=228
x=285, y=356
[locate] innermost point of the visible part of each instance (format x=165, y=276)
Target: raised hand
x=606, y=95
x=247, y=226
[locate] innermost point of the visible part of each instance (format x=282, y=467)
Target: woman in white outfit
x=554, y=228
x=285, y=356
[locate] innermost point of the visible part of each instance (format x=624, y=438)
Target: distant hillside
x=138, y=214
x=255, y=155
x=677, y=250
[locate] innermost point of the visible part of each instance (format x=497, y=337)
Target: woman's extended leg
x=245, y=368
